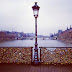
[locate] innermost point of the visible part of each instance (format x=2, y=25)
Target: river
x=28, y=43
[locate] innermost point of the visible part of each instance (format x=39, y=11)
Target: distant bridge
x=31, y=38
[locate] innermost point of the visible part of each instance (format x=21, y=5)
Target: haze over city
x=17, y=15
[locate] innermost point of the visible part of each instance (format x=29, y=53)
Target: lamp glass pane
x=35, y=12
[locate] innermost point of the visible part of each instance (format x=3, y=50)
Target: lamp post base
x=36, y=63
x=36, y=59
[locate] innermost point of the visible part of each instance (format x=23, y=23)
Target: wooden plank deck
x=31, y=68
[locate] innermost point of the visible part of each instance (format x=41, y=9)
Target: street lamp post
x=35, y=11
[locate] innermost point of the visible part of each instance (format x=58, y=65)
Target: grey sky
x=17, y=15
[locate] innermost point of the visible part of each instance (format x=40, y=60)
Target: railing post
x=31, y=55
x=40, y=54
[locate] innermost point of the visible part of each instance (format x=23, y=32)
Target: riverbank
x=65, y=40
x=66, y=36
x=6, y=40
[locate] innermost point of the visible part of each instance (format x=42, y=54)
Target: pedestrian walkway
x=31, y=68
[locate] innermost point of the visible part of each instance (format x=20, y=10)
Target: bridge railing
x=56, y=55
x=16, y=55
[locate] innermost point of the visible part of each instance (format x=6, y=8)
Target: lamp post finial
x=35, y=2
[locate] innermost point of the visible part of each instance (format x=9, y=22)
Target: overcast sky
x=17, y=15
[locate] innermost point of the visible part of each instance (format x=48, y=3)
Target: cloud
x=18, y=15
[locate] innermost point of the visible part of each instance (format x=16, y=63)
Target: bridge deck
x=31, y=68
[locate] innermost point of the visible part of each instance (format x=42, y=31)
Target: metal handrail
x=16, y=47
x=55, y=47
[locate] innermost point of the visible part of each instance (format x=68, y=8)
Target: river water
x=28, y=43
